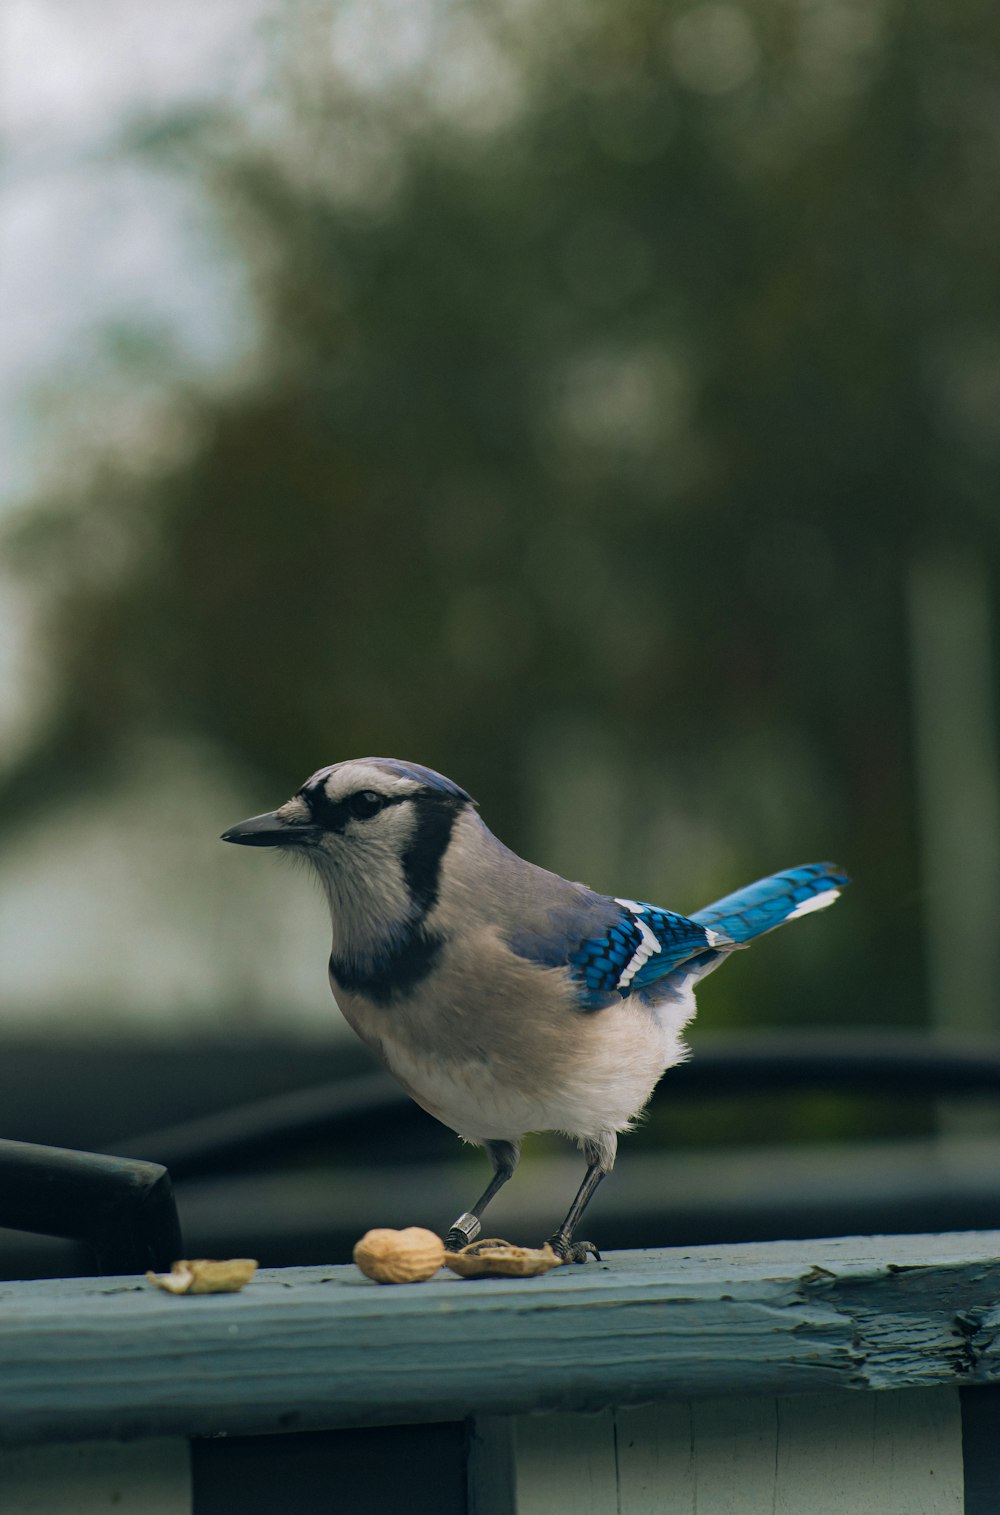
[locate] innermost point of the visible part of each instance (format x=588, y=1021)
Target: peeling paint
x=102, y=1358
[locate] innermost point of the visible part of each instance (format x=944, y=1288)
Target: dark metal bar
x=122, y=1207
x=262, y=1129
x=903, y=1063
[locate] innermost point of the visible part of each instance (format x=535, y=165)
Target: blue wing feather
x=630, y=957
x=635, y=947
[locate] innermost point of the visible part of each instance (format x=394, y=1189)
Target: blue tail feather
x=761, y=906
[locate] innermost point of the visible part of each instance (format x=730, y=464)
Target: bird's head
x=375, y=829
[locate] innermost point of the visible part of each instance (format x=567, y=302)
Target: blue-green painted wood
x=897, y=1453
x=97, y=1478
x=322, y=1347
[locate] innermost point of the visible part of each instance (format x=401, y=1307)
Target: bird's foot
x=464, y=1231
x=573, y=1251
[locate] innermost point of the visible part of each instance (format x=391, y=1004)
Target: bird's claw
x=573, y=1251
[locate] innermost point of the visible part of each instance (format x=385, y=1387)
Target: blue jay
x=502, y=997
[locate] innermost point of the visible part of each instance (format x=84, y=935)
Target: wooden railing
x=812, y=1378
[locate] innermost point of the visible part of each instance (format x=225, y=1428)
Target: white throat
x=371, y=908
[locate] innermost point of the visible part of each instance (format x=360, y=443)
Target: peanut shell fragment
x=205, y=1275
x=501, y=1259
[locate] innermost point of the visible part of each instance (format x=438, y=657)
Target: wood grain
x=897, y=1453
x=322, y=1347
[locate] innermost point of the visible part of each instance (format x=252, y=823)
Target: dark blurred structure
x=609, y=424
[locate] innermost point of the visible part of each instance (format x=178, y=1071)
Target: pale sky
x=127, y=912
x=90, y=235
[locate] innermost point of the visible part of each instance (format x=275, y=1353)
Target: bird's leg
x=505, y=1157
x=600, y=1155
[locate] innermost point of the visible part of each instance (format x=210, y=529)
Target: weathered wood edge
x=323, y=1347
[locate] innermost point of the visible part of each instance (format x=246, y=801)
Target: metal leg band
x=466, y=1226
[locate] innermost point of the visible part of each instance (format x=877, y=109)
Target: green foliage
x=610, y=429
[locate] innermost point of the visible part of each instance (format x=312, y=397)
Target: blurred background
x=596, y=400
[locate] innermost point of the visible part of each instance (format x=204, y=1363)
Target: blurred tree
x=600, y=409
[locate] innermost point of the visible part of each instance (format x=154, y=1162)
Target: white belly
x=593, y=1099
x=494, y=1058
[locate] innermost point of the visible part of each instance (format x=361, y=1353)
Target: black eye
x=365, y=803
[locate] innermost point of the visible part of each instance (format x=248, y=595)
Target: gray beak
x=270, y=831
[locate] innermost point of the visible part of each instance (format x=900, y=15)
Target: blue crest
x=420, y=775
